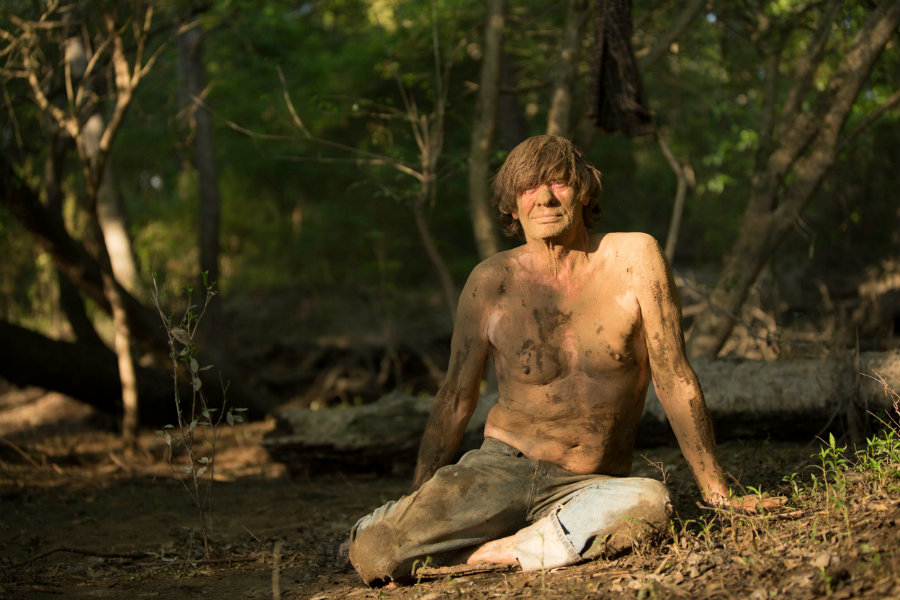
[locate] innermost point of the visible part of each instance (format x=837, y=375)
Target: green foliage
x=296, y=213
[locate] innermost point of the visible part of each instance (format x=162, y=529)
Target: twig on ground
x=276, y=570
x=21, y=452
x=83, y=551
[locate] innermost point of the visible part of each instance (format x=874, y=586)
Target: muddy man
x=576, y=324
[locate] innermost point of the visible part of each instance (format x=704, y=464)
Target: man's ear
x=515, y=215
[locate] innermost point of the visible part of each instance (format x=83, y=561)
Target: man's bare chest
x=541, y=335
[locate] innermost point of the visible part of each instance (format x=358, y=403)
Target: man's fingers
x=773, y=501
x=751, y=503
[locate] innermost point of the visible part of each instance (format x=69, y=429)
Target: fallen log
x=786, y=399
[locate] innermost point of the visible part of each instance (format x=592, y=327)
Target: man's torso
x=571, y=359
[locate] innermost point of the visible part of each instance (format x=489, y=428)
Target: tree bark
x=806, y=149
x=559, y=117
x=484, y=127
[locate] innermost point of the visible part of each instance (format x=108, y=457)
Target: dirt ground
x=80, y=518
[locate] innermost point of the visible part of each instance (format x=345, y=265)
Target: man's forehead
x=559, y=170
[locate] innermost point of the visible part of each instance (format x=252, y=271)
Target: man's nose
x=545, y=195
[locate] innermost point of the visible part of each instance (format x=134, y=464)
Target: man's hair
x=545, y=159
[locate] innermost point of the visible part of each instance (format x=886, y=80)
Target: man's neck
x=555, y=257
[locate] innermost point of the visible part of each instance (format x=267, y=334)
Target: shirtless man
x=576, y=324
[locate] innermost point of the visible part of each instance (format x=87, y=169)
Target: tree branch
x=681, y=22
x=873, y=116
x=809, y=64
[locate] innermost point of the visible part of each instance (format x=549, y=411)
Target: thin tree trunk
x=680, y=193
x=113, y=246
x=559, y=117
x=195, y=111
x=435, y=257
x=69, y=299
x=111, y=216
x=483, y=130
x=807, y=149
x=513, y=126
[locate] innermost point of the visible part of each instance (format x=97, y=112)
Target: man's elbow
x=455, y=406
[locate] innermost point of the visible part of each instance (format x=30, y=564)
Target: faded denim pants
x=558, y=517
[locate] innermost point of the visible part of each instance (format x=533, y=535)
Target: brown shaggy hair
x=544, y=159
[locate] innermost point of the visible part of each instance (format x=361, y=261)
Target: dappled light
x=259, y=276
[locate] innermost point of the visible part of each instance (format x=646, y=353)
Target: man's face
x=548, y=210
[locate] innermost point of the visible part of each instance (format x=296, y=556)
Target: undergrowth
x=837, y=536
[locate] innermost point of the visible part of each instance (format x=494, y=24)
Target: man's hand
x=750, y=503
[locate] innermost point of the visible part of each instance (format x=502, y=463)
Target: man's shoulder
x=637, y=241
x=628, y=247
x=497, y=266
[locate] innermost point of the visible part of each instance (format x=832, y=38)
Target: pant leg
x=605, y=514
x=483, y=497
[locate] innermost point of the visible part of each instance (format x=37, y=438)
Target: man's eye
x=558, y=185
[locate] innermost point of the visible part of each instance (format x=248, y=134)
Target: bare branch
x=290, y=105
x=809, y=64
x=680, y=193
x=658, y=50
x=378, y=162
x=364, y=156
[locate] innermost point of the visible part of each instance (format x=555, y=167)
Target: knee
x=652, y=504
x=656, y=496
x=373, y=552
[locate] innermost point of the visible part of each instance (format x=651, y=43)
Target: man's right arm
x=456, y=400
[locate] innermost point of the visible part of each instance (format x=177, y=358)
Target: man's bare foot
x=496, y=551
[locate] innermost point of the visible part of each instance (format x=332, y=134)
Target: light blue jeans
x=558, y=517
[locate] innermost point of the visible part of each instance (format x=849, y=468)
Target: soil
x=83, y=518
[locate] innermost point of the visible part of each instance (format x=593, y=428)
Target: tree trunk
x=806, y=149
x=680, y=193
x=69, y=299
x=559, y=117
x=111, y=216
x=191, y=91
x=87, y=372
x=513, y=126
x=107, y=231
x=483, y=129
x=437, y=261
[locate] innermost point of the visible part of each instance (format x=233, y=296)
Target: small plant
x=197, y=422
x=417, y=566
x=795, y=481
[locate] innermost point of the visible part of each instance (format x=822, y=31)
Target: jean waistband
x=498, y=447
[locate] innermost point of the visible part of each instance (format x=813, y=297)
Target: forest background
x=327, y=164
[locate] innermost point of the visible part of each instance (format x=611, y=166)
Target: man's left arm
x=676, y=383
